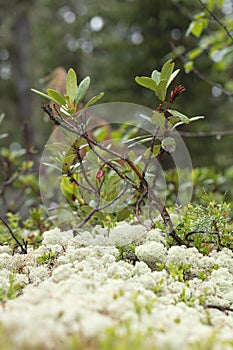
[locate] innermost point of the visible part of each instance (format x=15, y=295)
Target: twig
x=83, y=169
x=151, y=150
x=24, y=250
x=201, y=231
x=206, y=133
x=219, y=307
x=112, y=166
x=224, y=27
x=96, y=209
x=26, y=135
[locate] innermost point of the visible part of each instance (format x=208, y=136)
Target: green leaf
x=123, y=214
x=155, y=152
x=94, y=99
x=91, y=102
x=86, y=208
x=50, y=98
x=211, y=4
x=168, y=144
x=182, y=117
x=42, y=94
x=167, y=70
x=172, y=77
x=220, y=3
x=155, y=75
x=194, y=53
x=27, y=165
x=162, y=90
x=147, y=82
x=82, y=89
x=71, y=84
x=100, y=134
x=196, y=27
x=188, y=66
x=56, y=96
x=158, y=119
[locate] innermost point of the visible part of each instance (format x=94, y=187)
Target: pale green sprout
x=69, y=103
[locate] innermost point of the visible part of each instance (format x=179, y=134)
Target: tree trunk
x=22, y=57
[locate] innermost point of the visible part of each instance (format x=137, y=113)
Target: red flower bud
x=99, y=174
x=176, y=92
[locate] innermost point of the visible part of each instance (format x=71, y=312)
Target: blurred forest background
x=113, y=41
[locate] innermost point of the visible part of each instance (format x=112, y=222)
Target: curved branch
x=24, y=250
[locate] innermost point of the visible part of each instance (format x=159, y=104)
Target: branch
x=24, y=250
x=97, y=209
x=151, y=150
x=219, y=307
x=224, y=27
x=206, y=133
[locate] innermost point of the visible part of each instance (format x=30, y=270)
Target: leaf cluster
x=75, y=93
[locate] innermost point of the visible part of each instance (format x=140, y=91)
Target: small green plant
x=118, y=177
x=127, y=253
x=12, y=290
x=206, y=226
x=46, y=258
x=20, y=233
x=177, y=272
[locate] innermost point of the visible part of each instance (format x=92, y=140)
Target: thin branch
x=24, y=251
x=206, y=133
x=97, y=209
x=112, y=166
x=79, y=184
x=151, y=151
x=224, y=27
x=26, y=136
x=8, y=182
x=83, y=169
x=138, y=208
x=219, y=307
x=201, y=231
x=115, y=199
